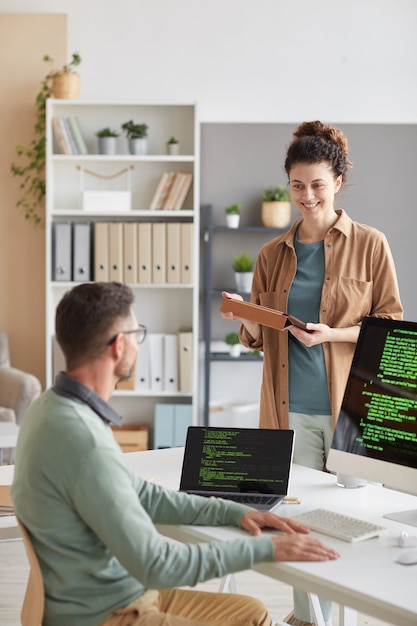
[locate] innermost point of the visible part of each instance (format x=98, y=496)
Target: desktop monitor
x=376, y=434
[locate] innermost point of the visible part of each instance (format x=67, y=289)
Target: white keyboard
x=339, y=526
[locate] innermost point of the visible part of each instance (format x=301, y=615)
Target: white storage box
x=106, y=201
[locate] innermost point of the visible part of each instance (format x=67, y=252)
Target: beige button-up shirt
x=359, y=280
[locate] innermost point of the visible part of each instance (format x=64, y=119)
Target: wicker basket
x=276, y=214
x=66, y=85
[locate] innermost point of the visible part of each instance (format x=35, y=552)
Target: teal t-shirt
x=308, y=390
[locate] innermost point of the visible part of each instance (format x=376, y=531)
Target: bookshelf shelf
x=167, y=307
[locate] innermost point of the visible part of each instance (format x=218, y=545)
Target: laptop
x=247, y=465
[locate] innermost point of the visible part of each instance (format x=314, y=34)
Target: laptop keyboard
x=243, y=498
x=338, y=525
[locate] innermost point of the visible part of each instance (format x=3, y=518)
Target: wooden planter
x=66, y=85
x=276, y=214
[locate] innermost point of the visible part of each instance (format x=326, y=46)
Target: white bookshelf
x=163, y=308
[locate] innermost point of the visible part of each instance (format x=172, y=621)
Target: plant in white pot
x=107, y=141
x=232, y=340
x=173, y=146
x=243, y=268
x=276, y=207
x=137, y=135
x=233, y=215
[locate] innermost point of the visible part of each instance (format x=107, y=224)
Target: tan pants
x=179, y=607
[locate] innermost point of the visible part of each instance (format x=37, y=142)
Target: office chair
x=34, y=601
x=18, y=389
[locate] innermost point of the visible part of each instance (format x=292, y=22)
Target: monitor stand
x=405, y=517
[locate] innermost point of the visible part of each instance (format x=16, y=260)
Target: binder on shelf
x=101, y=251
x=144, y=253
x=143, y=372
x=183, y=418
x=187, y=253
x=158, y=253
x=130, y=244
x=173, y=252
x=81, y=252
x=156, y=360
x=185, y=358
x=170, y=363
x=77, y=135
x=116, y=251
x=171, y=422
x=59, y=136
x=61, y=251
x=163, y=426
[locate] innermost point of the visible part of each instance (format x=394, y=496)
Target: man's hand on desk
x=295, y=545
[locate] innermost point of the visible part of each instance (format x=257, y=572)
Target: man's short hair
x=86, y=317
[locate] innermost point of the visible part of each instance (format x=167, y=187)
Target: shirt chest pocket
x=353, y=301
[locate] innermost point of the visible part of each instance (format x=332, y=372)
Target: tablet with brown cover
x=260, y=314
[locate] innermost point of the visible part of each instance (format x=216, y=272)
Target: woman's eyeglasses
x=140, y=331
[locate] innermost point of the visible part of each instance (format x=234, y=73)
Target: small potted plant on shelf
x=137, y=135
x=233, y=215
x=107, y=141
x=173, y=146
x=243, y=268
x=232, y=340
x=276, y=207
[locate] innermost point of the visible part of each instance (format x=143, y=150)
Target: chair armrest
x=18, y=390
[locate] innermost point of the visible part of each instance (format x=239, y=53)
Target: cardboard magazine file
x=260, y=314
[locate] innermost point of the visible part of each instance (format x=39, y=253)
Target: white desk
x=365, y=578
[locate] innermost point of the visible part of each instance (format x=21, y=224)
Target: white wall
x=248, y=60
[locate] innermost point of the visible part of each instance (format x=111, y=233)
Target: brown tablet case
x=260, y=314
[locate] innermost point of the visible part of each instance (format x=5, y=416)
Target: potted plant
x=107, y=141
x=243, y=268
x=276, y=207
x=66, y=82
x=32, y=171
x=232, y=340
x=137, y=135
x=173, y=146
x=233, y=215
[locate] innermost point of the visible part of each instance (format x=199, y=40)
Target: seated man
x=91, y=518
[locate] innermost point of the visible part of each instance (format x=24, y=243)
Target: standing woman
x=330, y=272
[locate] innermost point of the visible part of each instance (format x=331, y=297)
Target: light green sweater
x=91, y=518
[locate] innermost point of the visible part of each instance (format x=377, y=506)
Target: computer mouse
x=408, y=558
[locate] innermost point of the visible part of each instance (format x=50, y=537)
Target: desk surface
x=366, y=576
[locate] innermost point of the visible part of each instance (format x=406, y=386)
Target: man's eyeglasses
x=140, y=331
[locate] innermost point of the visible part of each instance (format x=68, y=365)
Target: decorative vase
x=66, y=85
x=107, y=145
x=138, y=145
x=234, y=350
x=244, y=281
x=276, y=214
x=232, y=220
x=173, y=148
